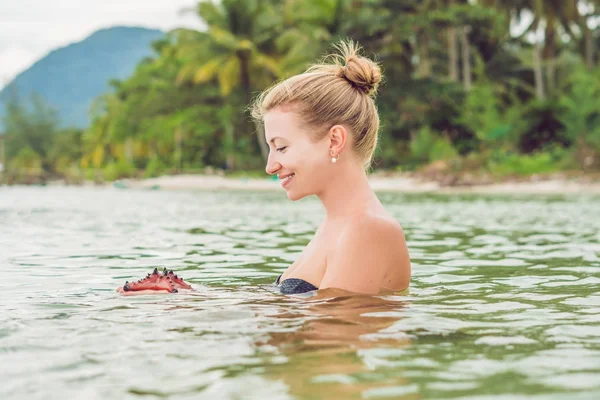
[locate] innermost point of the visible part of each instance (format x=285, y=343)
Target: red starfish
x=167, y=282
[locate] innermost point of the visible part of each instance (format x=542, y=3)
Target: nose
x=272, y=165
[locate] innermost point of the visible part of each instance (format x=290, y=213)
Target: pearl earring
x=334, y=158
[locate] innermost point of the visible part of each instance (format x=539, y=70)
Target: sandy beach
x=403, y=184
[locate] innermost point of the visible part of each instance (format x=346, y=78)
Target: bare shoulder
x=376, y=229
x=371, y=253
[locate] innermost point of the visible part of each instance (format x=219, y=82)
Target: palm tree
x=592, y=8
x=452, y=50
x=307, y=27
x=548, y=19
x=96, y=139
x=514, y=10
x=235, y=51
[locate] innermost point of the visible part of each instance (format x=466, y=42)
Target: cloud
x=30, y=29
x=14, y=60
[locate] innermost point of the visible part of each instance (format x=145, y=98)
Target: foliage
x=502, y=163
x=26, y=161
x=425, y=146
x=155, y=167
x=65, y=150
x=29, y=128
x=581, y=112
x=118, y=169
x=494, y=123
x=461, y=85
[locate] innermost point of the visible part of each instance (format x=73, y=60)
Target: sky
x=30, y=29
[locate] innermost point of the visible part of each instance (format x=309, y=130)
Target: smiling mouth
x=288, y=178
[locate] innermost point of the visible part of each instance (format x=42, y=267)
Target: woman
x=321, y=127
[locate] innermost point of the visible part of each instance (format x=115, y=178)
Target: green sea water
x=504, y=302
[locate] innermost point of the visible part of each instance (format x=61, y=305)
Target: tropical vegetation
x=496, y=88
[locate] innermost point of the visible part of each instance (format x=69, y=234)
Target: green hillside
x=69, y=78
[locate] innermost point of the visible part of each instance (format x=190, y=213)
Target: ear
x=338, y=138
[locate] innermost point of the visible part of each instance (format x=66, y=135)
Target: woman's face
x=302, y=164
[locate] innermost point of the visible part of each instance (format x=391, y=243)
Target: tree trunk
x=589, y=44
x=129, y=149
x=466, y=61
x=229, y=161
x=406, y=57
x=229, y=144
x=338, y=16
x=424, y=67
x=178, y=149
x=551, y=75
x=537, y=71
x=549, y=56
x=452, y=54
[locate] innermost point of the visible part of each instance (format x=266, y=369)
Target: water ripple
x=504, y=301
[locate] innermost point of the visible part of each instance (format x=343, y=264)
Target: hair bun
x=363, y=73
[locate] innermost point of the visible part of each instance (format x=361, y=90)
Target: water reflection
x=323, y=352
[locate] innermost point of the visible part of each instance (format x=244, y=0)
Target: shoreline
x=399, y=184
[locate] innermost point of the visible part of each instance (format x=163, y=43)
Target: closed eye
x=281, y=148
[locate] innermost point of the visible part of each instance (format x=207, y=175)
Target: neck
x=348, y=193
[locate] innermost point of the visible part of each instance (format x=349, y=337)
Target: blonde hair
x=340, y=90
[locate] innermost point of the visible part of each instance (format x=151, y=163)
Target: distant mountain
x=69, y=78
